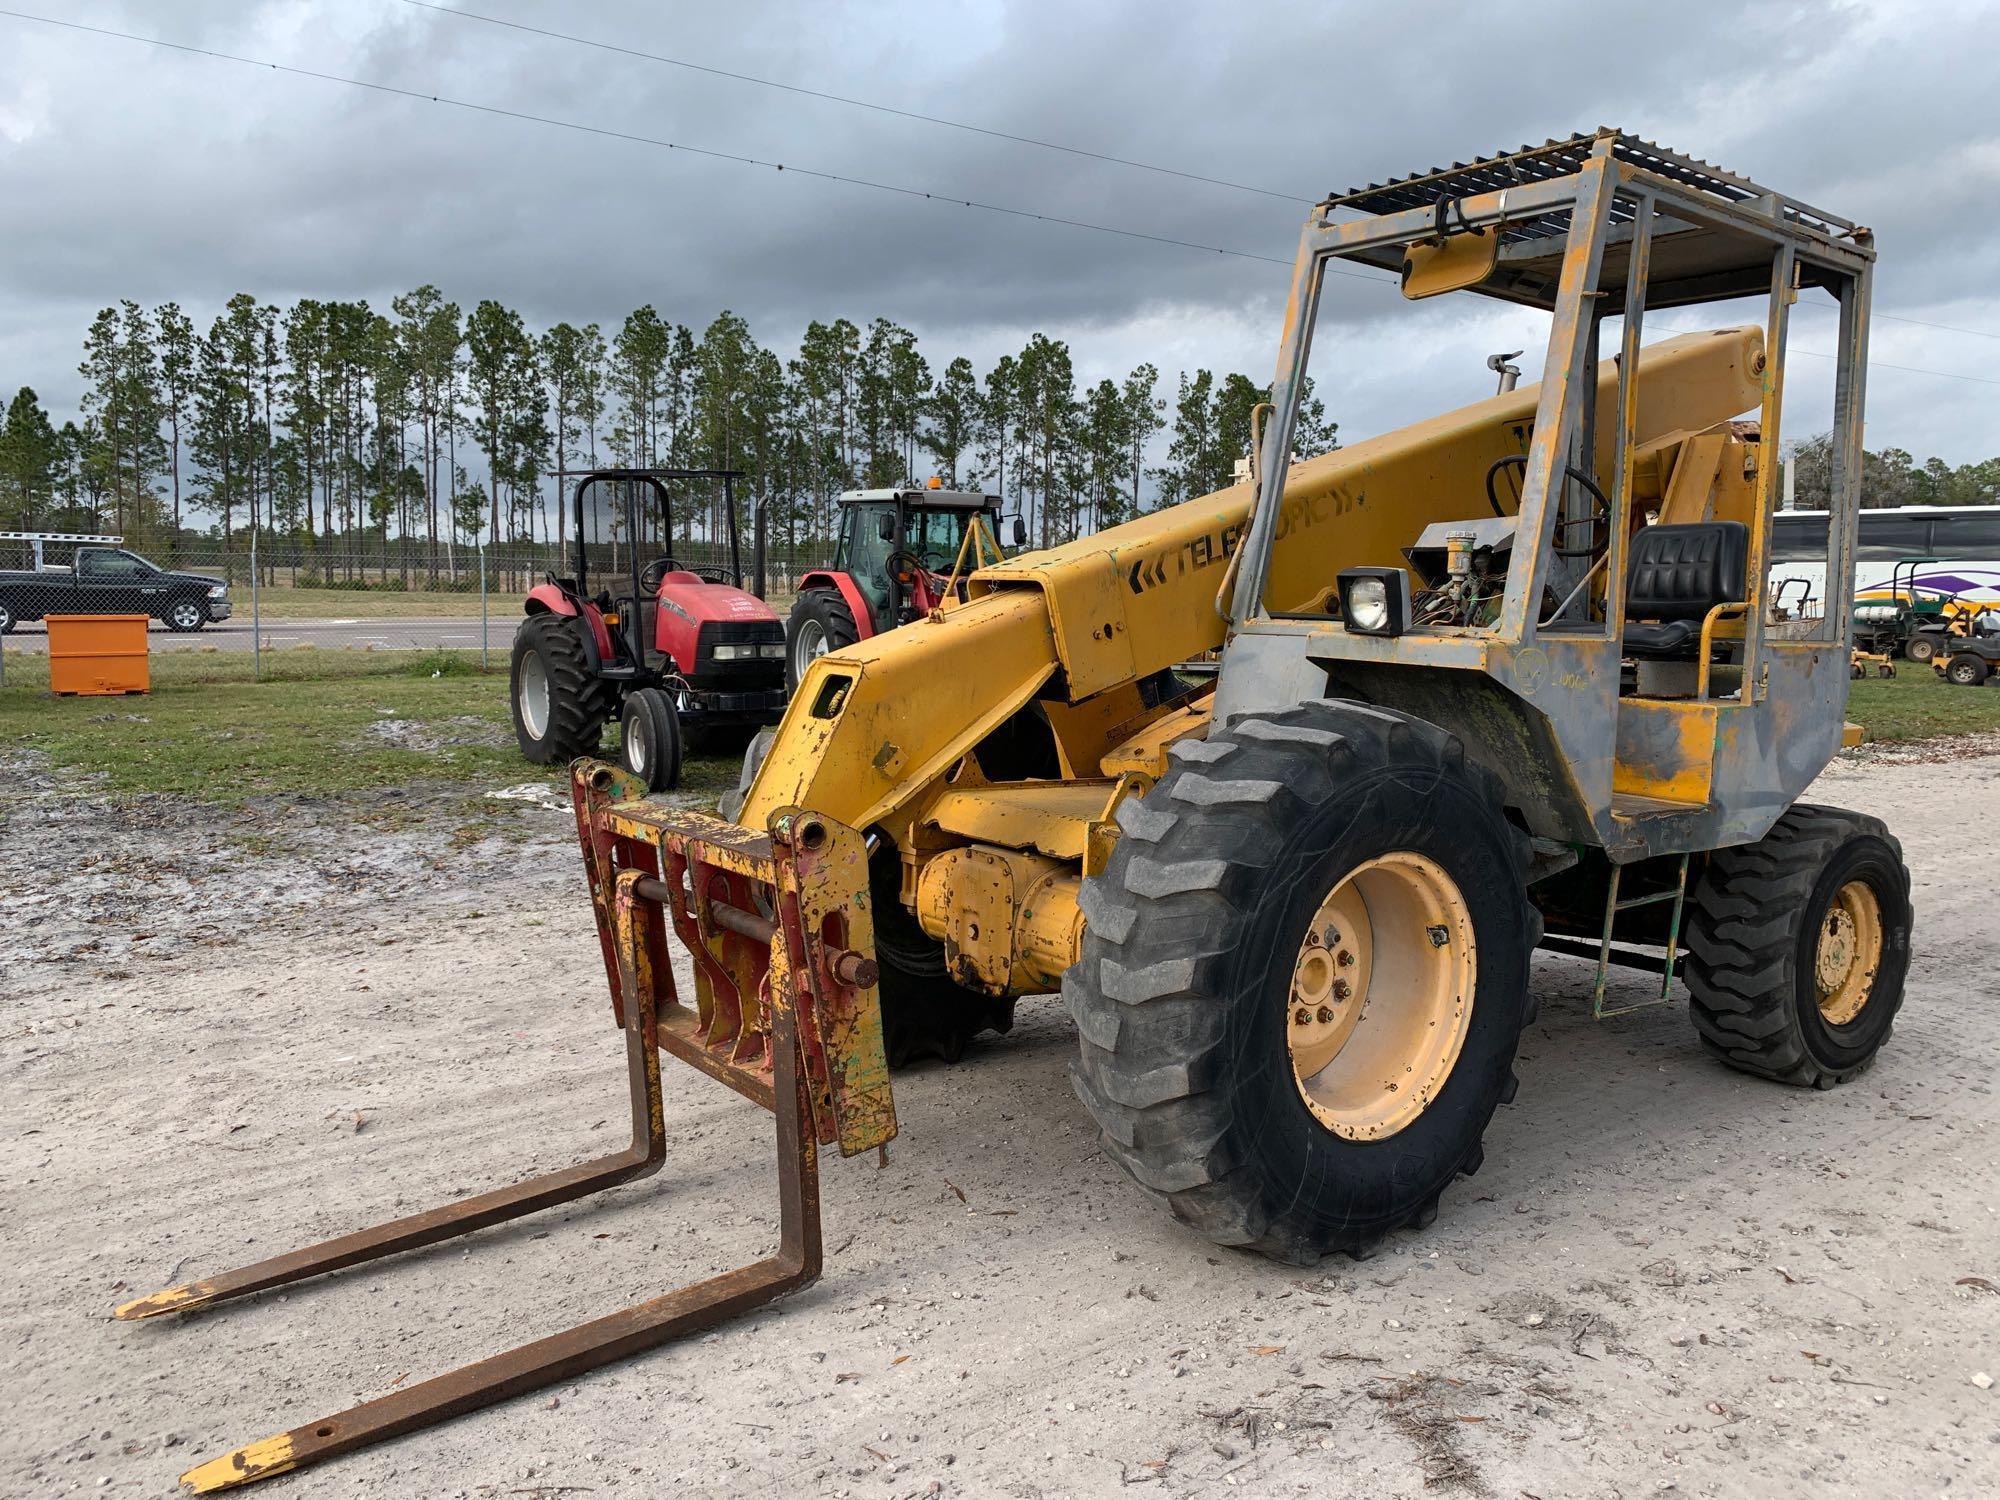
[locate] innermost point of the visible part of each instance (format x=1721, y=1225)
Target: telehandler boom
x=1509, y=677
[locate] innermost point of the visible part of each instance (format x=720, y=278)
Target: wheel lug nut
x=1304, y=1017
x=1342, y=989
x=1344, y=959
x=1325, y=1014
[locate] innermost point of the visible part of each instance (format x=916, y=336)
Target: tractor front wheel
x=649, y=739
x=558, y=702
x=821, y=622
x=1797, y=947
x=1303, y=979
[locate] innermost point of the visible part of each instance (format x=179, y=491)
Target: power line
x=752, y=161
x=1024, y=140
x=1875, y=364
x=886, y=109
x=645, y=140
x=1979, y=333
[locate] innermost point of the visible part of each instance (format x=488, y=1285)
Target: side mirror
x=885, y=526
x=1460, y=261
x=1020, y=532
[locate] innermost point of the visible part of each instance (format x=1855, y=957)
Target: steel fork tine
x=641, y=1159
x=590, y=1345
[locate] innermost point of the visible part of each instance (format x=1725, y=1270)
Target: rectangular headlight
x=735, y=653
x=772, y=651
x=1374, y=601
x=219, y=591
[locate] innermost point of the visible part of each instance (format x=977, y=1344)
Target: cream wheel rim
x=1849, y=952
x=1381, y=996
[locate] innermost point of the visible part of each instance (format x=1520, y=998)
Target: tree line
x=404, y=436
x=1892, y=477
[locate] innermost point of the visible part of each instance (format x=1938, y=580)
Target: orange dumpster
x=98, y=654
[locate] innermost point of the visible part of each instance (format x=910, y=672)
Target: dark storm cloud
x=134, y=172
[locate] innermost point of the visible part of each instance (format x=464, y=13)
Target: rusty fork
x=590, y=1345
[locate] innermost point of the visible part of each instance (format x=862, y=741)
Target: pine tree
x=1144, y=417
x=30, y=455
x=1191, y=451
x=996, y=421
x=1104, y=445
x=953, y=412
x=428, y=336
x=723, y=416
x=177, y=377
x=500, y=361
x=563, y=351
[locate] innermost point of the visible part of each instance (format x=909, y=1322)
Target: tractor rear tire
x=1798, y=945
x=1965, y=670
x=1200, y=932
x=821, y=622
x=1921, y=647
x=649, y=739
x=559, y=705
x=924, y=1012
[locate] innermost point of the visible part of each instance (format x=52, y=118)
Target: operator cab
x=886, y=533
x=1601, y=570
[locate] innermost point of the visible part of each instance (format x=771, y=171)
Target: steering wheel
x=1602, y=518
x=903, y=560
x=651, y=576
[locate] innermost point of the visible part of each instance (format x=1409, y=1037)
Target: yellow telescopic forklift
x=1512, y=676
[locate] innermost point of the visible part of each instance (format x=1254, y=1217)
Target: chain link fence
x=261, y=596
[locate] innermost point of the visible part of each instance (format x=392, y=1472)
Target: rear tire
x=820, y=622
x=7, y=619
x=1198, y=931
x=558, y=703
x=649, y=739
x=1920, y=648
x=1965, y=670
x=1758, y=971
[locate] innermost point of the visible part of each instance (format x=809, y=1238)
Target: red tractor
x=894, y=558
x=682, y=655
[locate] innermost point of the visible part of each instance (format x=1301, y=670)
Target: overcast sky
x=130, y=171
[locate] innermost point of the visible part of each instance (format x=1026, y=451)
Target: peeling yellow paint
x=171, y=1300
x=258, y=1460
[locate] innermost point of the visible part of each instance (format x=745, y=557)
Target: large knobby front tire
x=1798, y=945
x=558, y=703
x=1209, y=926
x=820, y=622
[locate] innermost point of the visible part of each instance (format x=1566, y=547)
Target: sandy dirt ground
x=225, y=1034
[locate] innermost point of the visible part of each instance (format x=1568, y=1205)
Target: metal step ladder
x=1612, y=907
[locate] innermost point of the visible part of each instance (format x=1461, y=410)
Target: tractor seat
x=1678, y=574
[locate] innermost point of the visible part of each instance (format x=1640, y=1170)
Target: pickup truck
x=112, y=581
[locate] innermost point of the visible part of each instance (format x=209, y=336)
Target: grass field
x=327, y=722
x=363, y=604
x=321, y=723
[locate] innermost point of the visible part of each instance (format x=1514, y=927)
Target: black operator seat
x=1678, y=574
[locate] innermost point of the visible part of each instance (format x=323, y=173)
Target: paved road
x=450, y=632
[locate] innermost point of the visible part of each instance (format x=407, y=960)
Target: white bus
x=1956, y=551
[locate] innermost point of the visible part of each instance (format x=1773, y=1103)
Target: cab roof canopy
x=1715, y=237
x=918, y=495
